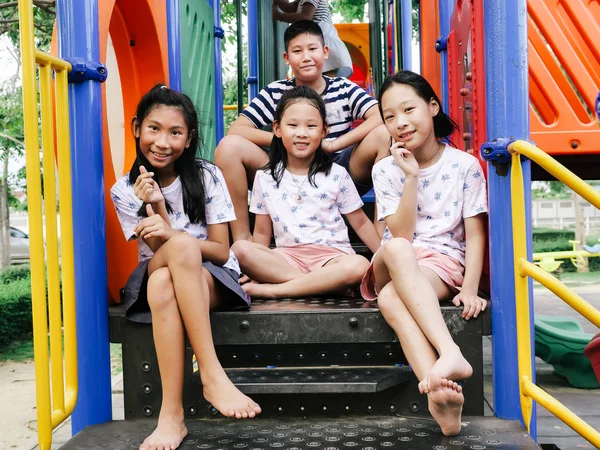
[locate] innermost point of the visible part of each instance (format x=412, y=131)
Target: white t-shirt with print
x=317, y=217
x=451, y=190
x=218, y=209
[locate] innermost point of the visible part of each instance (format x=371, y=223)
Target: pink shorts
x=447, y=268
x=308, y=257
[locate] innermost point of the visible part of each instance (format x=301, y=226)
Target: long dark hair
x=278, y=157
x=443, y=125
x=187, y=166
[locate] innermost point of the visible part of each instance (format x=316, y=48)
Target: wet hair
x=278, y=157
x=187, y=166
x=443, y=125
x=302, y=27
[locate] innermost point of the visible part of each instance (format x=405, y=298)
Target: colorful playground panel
x=560, y=341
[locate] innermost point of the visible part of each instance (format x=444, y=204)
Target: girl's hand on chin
x=146, y=189
x=405, y=159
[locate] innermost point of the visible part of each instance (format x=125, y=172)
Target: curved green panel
x=197, y=66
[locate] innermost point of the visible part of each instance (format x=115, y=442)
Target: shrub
x=15, y=310
x=14, y=273
x=551, y=235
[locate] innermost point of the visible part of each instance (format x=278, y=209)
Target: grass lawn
x=17, y=351
x=23, y=351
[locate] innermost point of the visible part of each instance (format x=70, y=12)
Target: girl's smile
x=301, y=130
x=163, y=136
x=407, y=117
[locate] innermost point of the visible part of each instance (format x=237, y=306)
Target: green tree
x=349, y=9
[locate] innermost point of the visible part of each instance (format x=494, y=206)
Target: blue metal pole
x=507, y=99
x=406, y=17
x=446, y=10
x=174, y=33
x=252, y=48
x=220, y=124
x=78, y=38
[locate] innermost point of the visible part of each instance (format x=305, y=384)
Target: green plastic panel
x=271, y=66
x=197, y=67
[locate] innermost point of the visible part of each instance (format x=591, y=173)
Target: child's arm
x=364, y=228
x=372, y=121
x=286, y=6
x=403, y=222
x=290, y=15
x=263, y=229
x=474, y=252
x=245, y=128
x=216, y=248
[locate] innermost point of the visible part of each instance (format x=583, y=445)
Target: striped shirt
x=322, y=13
x=344, y=101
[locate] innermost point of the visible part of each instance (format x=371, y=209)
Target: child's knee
x=242, y=250
x=387, y=302
x=229, y=149
x=160, y=291
x=398, y=249
x=185, y=250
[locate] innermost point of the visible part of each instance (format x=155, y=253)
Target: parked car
x=19, y=245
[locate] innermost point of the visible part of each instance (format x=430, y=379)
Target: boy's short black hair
x=302, y=27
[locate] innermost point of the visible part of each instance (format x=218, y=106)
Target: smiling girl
x=300, y=196
x=432, y=199
x=178, y=207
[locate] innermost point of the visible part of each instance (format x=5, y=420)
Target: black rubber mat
x=367, y=433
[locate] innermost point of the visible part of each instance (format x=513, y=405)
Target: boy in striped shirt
x=241, y=152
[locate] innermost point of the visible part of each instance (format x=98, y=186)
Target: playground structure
x=142, y=42
x=550, y=261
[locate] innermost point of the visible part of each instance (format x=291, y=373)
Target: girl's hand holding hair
x=405, y=159
x=154, y=226
x=146, y=189
x=473, y=304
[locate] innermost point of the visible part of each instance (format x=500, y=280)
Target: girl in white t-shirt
x=177, y=207
x=300, y=197
x=432, y=198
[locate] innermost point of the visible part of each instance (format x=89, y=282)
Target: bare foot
x=445, y=404
x=259, y=290
x=451, y=365
x=229, y=401
x=168, y=434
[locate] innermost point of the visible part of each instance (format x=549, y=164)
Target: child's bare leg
x=445, y=400
x=339, y=273
x=167, y=330
x=366, y=153
x=262, y=264
x=239, y=159
x=396, y=261
x=194, y=289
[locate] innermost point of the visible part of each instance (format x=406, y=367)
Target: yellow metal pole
x=521, y=286
x=66, y=242
x=36, y=244
x=56, y=350
x=562, y=291
x=561, y=411
x=559, y=171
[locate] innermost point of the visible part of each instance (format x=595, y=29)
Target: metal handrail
x=529, y=391
x=55, y=399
